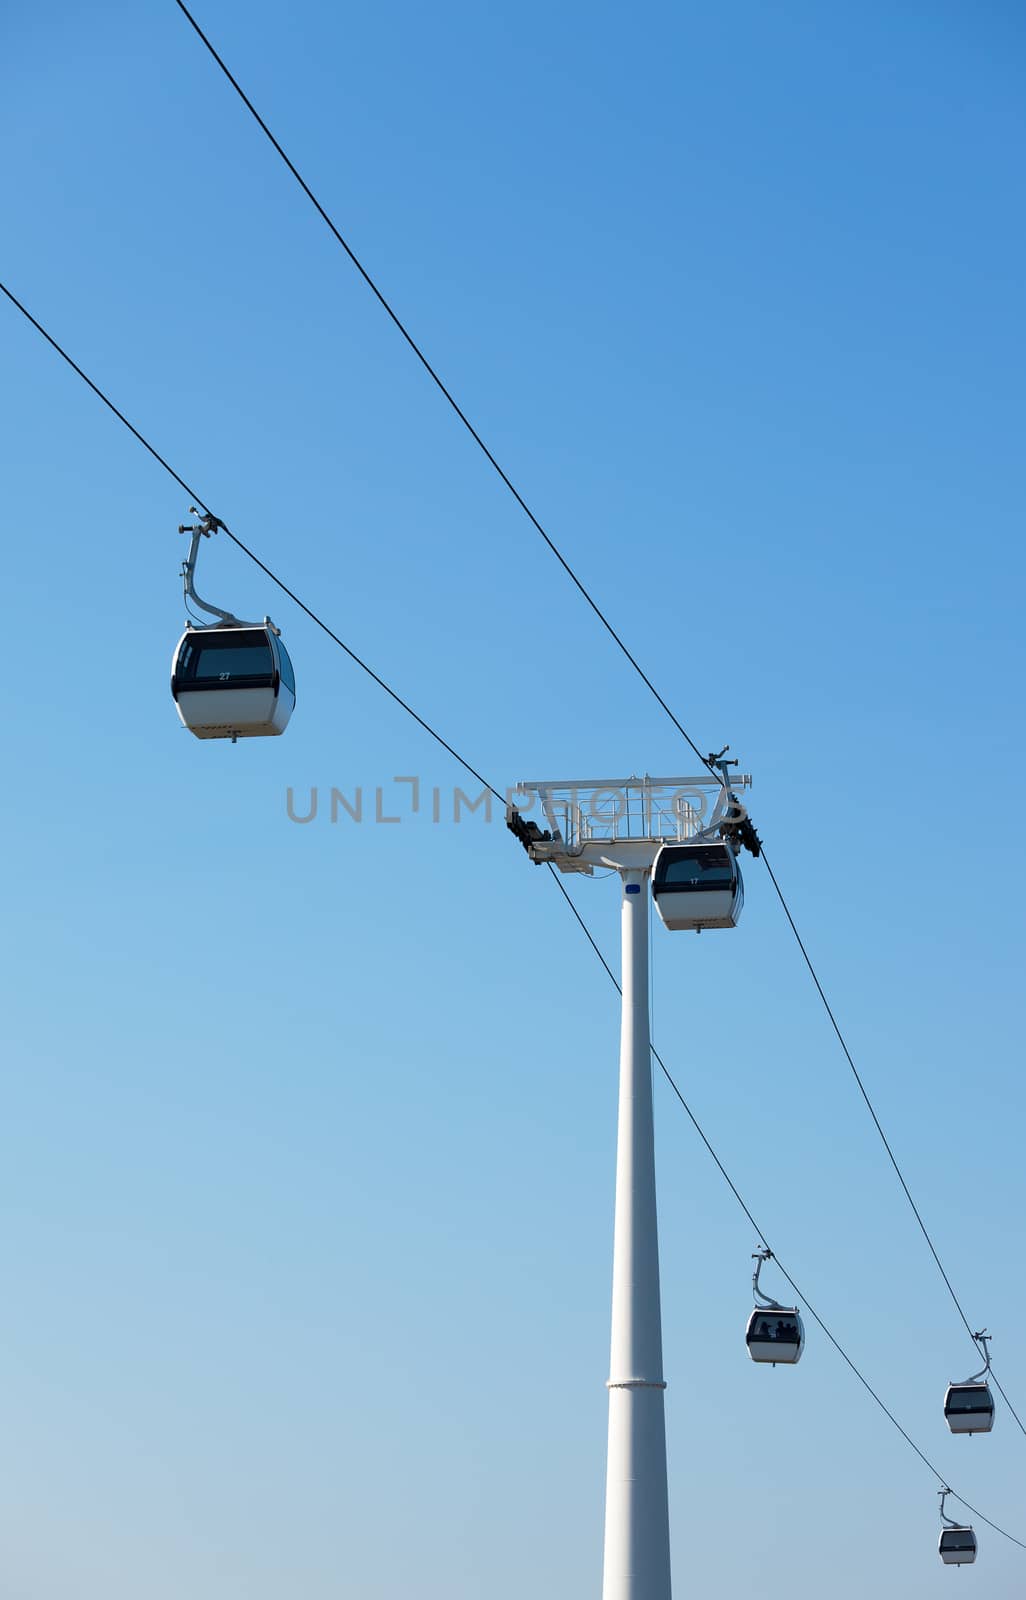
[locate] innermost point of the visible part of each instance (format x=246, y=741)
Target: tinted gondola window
x=236, y=659
x=958, y=1539
x=704, y=870
x=960, y=1400
x=775, y=1328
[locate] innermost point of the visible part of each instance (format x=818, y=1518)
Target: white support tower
x=622, y=824
x=637, y=1543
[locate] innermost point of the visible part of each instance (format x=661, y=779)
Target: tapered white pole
x=637, y=1543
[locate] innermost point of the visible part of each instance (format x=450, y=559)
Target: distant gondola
x=776, y=1336
x=969, y=1406
x=775, y=1333
x=957, y=1544
x=229, y=679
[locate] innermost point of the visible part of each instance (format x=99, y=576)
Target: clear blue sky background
x=307, y=1144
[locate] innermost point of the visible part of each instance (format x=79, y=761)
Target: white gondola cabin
x=776, y=1335
x=957, y=1546
x=957, y=1543
x=969, y=1408
x=698, y=886
x=233, y=682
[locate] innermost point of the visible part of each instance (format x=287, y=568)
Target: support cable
x=555, y=876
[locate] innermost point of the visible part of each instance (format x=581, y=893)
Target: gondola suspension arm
x=983, y=1339
x=203, y=529
x=730, y=820
x=762, y=1299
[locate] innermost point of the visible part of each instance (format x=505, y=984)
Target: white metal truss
x=580, y=824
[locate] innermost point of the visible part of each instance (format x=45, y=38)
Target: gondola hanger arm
x=762, y=1299
x=207, y=525
x=982, y=1339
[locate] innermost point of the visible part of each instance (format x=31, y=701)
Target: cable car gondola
x=957, y=1544
x=233, y=682
x=775, y=1333
x=698, y=885
x=230, y=679
x=969, y=1406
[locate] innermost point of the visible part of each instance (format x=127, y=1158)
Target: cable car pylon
x=627, y=825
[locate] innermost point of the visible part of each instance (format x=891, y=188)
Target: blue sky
x=308, y=1144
